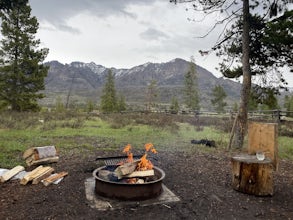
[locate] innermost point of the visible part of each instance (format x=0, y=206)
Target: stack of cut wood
x=40, y=155
x=36, y=175
x=42, y=174
x=39, y=174
x=129, y=170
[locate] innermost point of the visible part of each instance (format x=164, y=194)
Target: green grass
x=97, y=134
x=285, y=148
x=91, y=134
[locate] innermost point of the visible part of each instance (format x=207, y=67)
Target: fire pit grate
x=117, y=159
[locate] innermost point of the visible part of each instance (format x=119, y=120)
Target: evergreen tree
x=191, y=96
x=265, y=97
x=174, y=107
x=59, y=105
x=21, y=70
x=89, y=106
x=109, y=98
x=235, y=107
x=121, y=105
x=252, y=102
x=227, y=7
x=9, y=4
x=218, y=94
x=152, y=94
x=288, y=104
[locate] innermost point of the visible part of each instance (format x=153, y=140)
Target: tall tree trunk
x=241, y=126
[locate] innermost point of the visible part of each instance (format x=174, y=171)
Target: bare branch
x=229, y=18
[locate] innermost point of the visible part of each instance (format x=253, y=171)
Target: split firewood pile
x=43, y=174
x=131, y=171
x=40, y=155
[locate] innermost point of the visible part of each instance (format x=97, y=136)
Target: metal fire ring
x=125, y=191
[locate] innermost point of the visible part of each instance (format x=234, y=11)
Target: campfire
x=132, y=171
x=131, y=179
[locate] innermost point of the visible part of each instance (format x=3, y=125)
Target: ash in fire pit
x=131, y=180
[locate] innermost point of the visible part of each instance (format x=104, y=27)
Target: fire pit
x=130, y=179
x=126, y=191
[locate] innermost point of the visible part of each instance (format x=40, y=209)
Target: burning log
x=144, y=173
x=133, y=169
x=129, y=170
x=126, y=168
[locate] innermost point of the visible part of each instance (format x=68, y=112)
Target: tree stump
x=252, y=176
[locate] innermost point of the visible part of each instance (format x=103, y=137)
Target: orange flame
x=150, y=147
x=131, y=180
x=129, y=158
x=127, y=150
x=144, y=164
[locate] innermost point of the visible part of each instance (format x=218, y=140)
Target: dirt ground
x=202, y=181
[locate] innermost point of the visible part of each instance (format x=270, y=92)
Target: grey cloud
x=177, y=44
x=57, y=12
x=153, y=34
x=69, y=29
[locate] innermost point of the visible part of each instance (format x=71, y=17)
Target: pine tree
x=89, y=106
x=224, y=6
x=252, y=102
x=218, y=94
x=263, y=97
x=121, y=104
x=174, y=107
x=59, y=106
x=109, y=98
x=191, y=96
x=9, y=4
x=151, y=94
x=288, y=104
x=21, y=70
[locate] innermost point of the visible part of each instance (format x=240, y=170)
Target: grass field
x=85, y=134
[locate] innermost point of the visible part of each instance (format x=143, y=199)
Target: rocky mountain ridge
x=80, y=81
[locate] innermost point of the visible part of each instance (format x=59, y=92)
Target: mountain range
x=80, y=82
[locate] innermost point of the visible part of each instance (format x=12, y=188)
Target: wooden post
x=252, y=176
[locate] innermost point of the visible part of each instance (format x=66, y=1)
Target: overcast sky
x=123, y=33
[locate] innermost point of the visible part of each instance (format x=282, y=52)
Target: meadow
x=85, y=133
